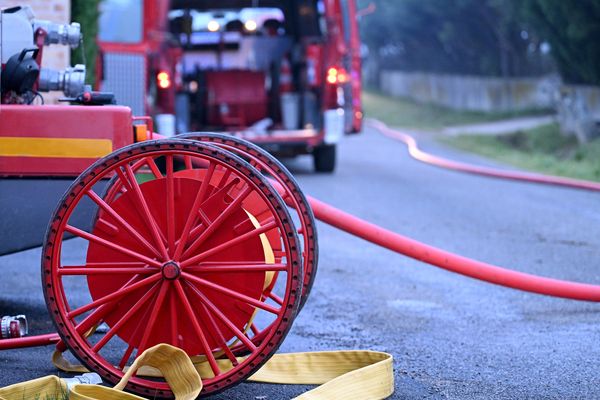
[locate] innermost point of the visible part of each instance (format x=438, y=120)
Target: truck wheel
x=324, y=158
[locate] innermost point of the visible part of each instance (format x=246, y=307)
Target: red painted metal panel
x=57, y=125
x=236, y=98
x=356, y=67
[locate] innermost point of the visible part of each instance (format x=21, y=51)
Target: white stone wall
x=577, y=106
x=473, y=93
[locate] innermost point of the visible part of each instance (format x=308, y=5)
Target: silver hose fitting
x=90, y=378
x=70, y=81
x=13, y=327
x=64, y=34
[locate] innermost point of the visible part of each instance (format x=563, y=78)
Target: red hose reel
x=190, y=245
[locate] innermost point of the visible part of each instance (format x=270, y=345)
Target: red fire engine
x=282, y=73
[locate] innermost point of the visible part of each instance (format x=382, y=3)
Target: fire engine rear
x=283, y=74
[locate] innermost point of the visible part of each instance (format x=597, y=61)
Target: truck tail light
x=332, y=75
x=337, y=75
x=343, y=76
x=163, y=79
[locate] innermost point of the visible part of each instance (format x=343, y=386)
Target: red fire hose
x=418, y=154
x=449, y=261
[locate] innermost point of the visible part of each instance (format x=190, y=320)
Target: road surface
x=500, y=127
x=451, y=337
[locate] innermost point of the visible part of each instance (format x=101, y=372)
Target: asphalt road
x=451, y=337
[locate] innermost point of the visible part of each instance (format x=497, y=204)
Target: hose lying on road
x=449, y=261
x=453, y=262
x=420, y=155
x=346, y=374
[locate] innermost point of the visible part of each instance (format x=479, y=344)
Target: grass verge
x=541, y=149
x=409, y=114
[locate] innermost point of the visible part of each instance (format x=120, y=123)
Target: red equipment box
x=236, y=97
x=56, y=141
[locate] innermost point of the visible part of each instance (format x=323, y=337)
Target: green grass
x=541, y=149
x=142, y=177
x=409, y=114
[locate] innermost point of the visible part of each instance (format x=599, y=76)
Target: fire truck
x=285, y=74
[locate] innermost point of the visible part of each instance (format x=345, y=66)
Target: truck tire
x=324, y=158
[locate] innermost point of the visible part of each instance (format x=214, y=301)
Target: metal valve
x=71, y=81
x=13, y=327
x=89, y=378
x=63, y=34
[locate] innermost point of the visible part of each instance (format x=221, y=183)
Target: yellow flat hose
x=48, y=387
x=353, y=374
x=360, y=375
x=176, y=367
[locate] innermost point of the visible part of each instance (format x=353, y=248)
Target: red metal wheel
x=172, y=260
x=290, y=191
x=288, y=188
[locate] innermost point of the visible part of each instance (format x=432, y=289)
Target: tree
x=572, y=28
x=86, y=13
x=480, y=37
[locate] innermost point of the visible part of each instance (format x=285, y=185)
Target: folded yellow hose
x=48, y=387
x=352, y=374
x=348, y=375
